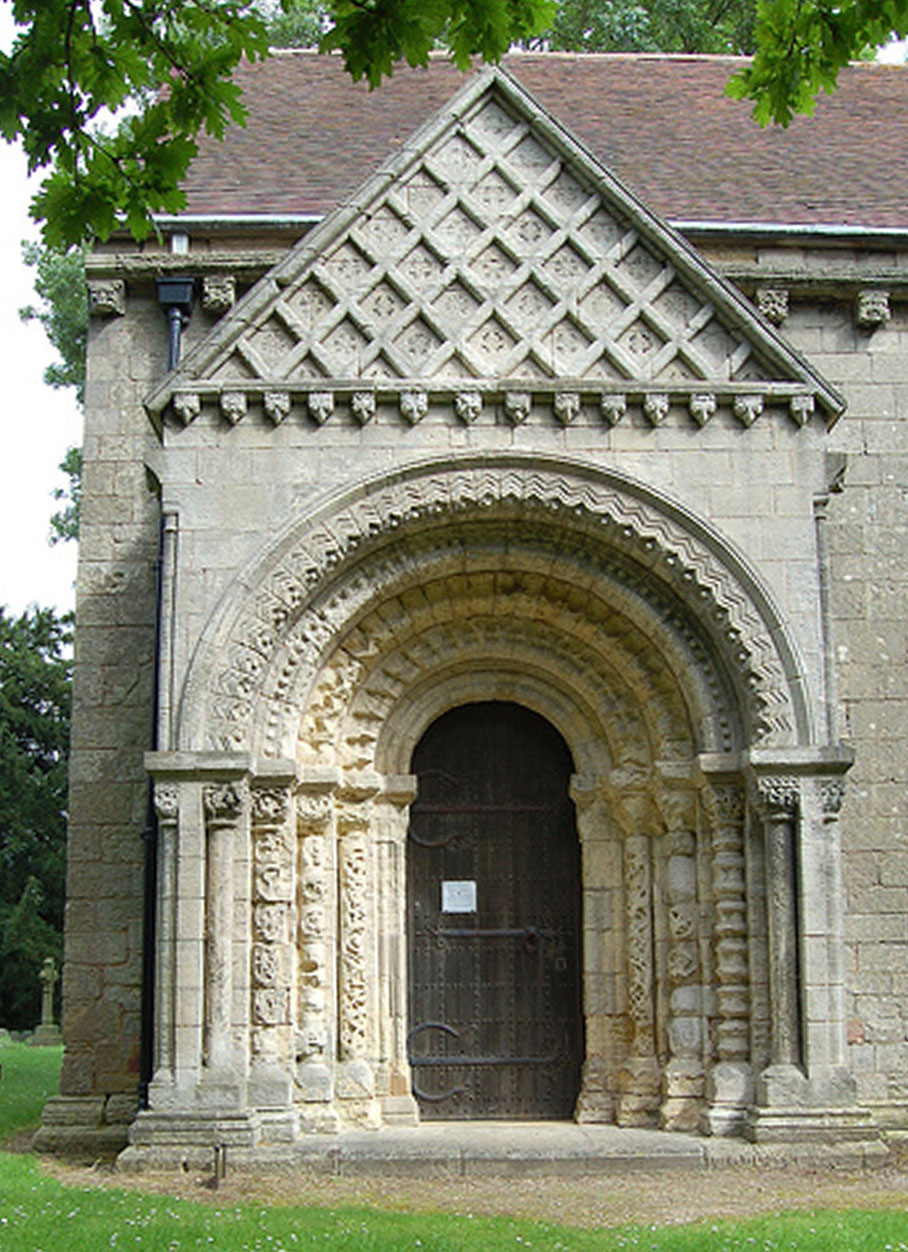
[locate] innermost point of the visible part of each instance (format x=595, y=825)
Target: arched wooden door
x=493, y=903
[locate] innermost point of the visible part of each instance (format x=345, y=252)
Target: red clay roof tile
x=661, y=123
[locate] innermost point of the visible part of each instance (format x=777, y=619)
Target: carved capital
x=277, y=405
x=233, y=406
x=872, y=308
x=747, y=408
x=106, y=297
x=517, y=405
x=313, y=813
x=224, y=801
x=362, y=406
x=187, y=405
x=468, y=406
x=655, y=408
x=354, y=817
x=677, y=807
x=270, y=805
x=773, y=304
x=166, y=801
x=321, y=406
x=613, y=408
x=567, y=406
x=724, y=803
x=414, y=405
x=218, y=293
x=632, y=811
x=778, y=796
x=832, y=796
x=702, y=407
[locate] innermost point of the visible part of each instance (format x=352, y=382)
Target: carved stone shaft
x=224, y=805
x=638, y=897
x=314, y=817
x=166, y=798
x=272, y=965
x=778, y=797
x=730, y=939
x=353, y=878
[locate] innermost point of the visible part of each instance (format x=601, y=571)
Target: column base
x=729, y=1096
x=594, y=1103
x=639, y=1092
x=399, y=1110
x=832, y=1126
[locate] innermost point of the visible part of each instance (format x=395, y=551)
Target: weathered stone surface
x=418, y=470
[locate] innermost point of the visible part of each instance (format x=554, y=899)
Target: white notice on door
x=458, y=896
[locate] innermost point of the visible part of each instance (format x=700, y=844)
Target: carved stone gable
x=494, y=250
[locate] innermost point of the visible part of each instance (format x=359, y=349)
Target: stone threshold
x=503, y=1149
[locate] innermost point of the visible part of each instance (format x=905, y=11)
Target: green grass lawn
x=29, y=1076
x=41, y=1214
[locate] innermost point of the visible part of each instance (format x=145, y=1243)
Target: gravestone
x=48, y=1034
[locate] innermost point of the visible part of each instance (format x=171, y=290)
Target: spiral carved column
x=730, y=1080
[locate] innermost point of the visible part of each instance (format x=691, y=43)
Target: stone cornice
x=517, y=398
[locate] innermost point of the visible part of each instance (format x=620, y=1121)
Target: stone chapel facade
x=495, y=621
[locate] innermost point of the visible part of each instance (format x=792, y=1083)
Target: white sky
x=38, y=422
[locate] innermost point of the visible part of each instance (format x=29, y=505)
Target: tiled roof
x=661, y=123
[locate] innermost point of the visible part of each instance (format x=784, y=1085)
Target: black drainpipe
x=150, y=839
x=175, y=298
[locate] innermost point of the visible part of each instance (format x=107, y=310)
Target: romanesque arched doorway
x=493, y=908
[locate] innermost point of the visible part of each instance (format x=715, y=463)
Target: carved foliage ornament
x=224, y=801
x=218, y=293
x=778, y=795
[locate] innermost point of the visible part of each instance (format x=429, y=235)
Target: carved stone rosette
x=773, y=303
x=218, y=293
x=272, y=953
x=730, y=1085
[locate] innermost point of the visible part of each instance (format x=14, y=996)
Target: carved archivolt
x=309, y=591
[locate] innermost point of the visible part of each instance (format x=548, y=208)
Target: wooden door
x=493, y=903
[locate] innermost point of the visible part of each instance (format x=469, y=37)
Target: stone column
x=392, y=816
x=640, y=1078
x=683, y=1080
x=604, y=974
x=806, y=1092
x=226, y=811
x=778, y=800
x=189, y=943
x=357, y=953
x=315, y=1051
x=273, y=971
x=730, y=1081
x=167, y=807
